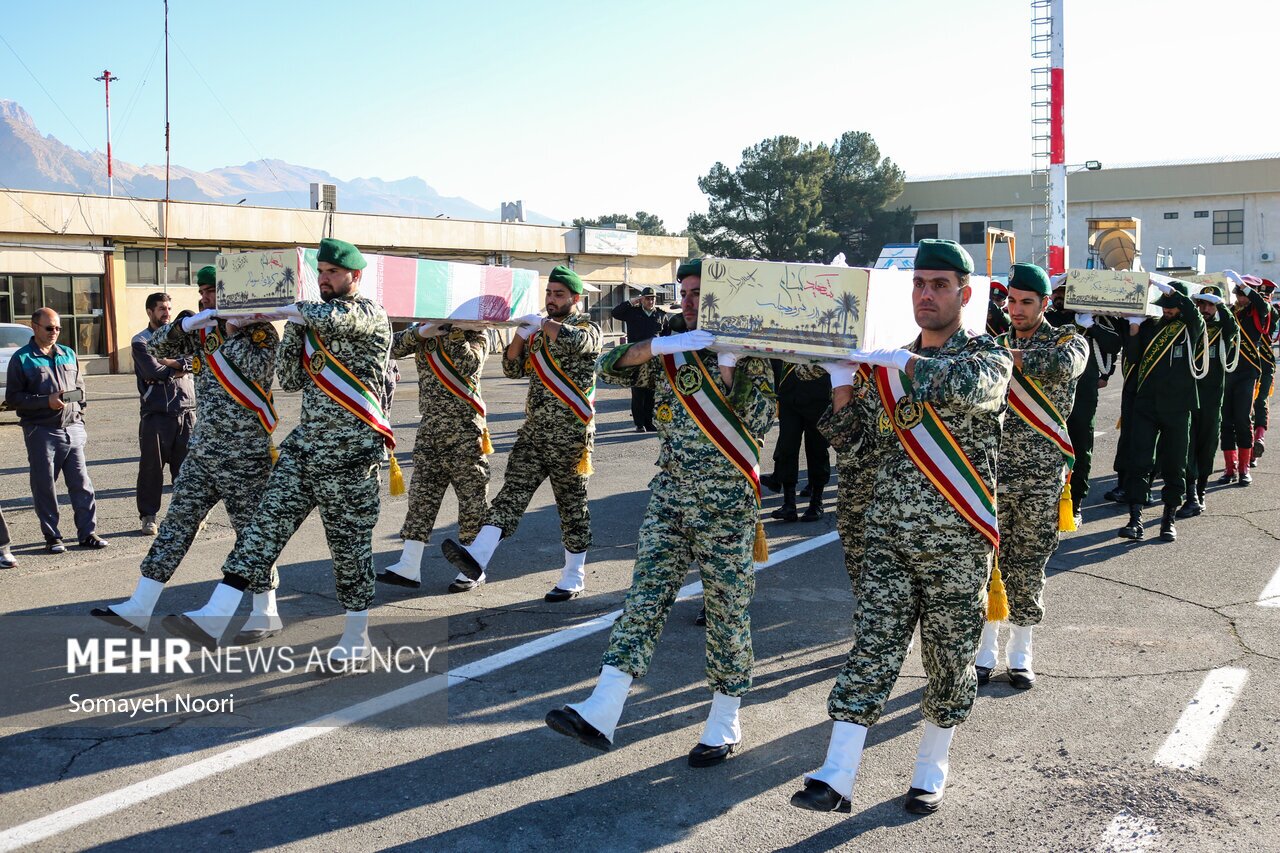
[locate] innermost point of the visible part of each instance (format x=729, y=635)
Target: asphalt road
x=1153, y=725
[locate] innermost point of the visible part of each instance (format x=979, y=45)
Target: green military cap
x=932, y=254
x=688, y=268
x=340, y=253
x=206, y=277
x=567, y=277
x=1178, y=287
x=1029, y=277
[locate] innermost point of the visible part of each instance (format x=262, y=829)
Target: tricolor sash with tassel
x=239, y=387
x=581, y=403
x=345, y=388
x=459, y=386
x=702, y=398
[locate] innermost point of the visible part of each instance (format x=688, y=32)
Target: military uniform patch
x=210, y=344
x=316, y=364
x=907, y=414
x=259, y=337
x=535, y=343
x=883, y=425
x=755, y=367
x=196, y=366
x=664, y=413
x=688, y=379
x=431, y=344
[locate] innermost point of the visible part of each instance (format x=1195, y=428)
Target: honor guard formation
x=961, y=459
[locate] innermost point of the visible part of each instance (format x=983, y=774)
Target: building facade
x=1231, y=208
x=95, y=259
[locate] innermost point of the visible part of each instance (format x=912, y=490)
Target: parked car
x=13, y=336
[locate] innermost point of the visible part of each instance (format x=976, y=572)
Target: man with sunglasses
x=40, y=375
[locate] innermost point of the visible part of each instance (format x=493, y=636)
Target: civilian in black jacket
x=644, y=321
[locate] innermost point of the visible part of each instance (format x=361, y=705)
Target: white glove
x=683, y=342
x=727, y=359
x=292, y=314
x=206, y=319
x=430, y=330
x=1235, y=278
x=1084, y=319
x=841, y=373
x=1208, y=297
x=895, y=358
x=1135, y=320
x=1161, y=286
x=528, y=325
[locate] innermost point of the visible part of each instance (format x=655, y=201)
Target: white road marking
x=1128, y=833
x=1188, y=743
x=1271, y=592
x=1097, y=434
x=114, y=801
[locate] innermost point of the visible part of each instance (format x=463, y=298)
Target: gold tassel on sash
x=1066, y=512
x=584, y=462
x=274, y=451
x=486, y=443
x=997, y=599
x=397, y=476
x=1117, y=423
x=760, y=548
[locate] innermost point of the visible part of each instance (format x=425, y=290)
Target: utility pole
x=106, y=80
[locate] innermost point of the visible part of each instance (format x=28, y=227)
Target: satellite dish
x=1116, y=248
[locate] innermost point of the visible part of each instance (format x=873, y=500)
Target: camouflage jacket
x=223, y=425
x=684, y=452
x=1055, y=358
x=575, y=349
x=441, y=409
x=356, y=331
x=966, y=380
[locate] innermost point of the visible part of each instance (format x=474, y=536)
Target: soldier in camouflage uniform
x=925, y=564
x=557, y=353
x=228, y=458
x=329, y=461
x=702, y=509
x=1032, y=470
x=449, y=448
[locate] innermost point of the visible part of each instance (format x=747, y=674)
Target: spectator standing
x=167, y=397
x=6, y=556
x=644, y=321
x=40, y=375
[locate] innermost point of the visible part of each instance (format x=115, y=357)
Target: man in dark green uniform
x=997, y=317
x=1266, y=381
x=1206, y=420
x=1253, y=313
x=1161, y=351
x=801, y=401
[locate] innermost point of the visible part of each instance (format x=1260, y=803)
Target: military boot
x=1201, y=485
x=1167, y=531
x=814, y=512
x=787, y=512
x=1133, y=530
x=1245, y=455
x=1190, y=507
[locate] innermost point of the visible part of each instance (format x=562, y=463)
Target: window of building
x=1202, y=214
x=1171, y=215
x=77, y=299
x=973, y=232
x=1004, y=224
x=924, y=232
x=145, y=267
x=1228, y=227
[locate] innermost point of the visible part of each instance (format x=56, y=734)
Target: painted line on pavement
x=114, y=801
x=1188, y=743
x=1128, y=833
x=1097, y=434
x=1271, y=592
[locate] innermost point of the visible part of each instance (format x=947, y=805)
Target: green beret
x=340, y=253
x=567, y=277
x=934, y=254
x=206, y=276
x=688, y=268
x=1029, y=277
x=1178, y=287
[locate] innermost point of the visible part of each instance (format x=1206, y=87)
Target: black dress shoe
x=786, y=512
x=818, y=796
x=709, y=756
x=813, y=513
x=1227, y=478
x=569, y=722
x=465, y=586
x=1245, y=478
x=558, y=594
x=1189, y=509
x=770, y=482
x=461, y=560
x=1116, y=495
x=112, y=618
x=1022, y=679
x=701, y=618
x=249, y=636
x=984, y=674
x=920, y=801
x=639, y=429
x=394, y=579
x=180, y=625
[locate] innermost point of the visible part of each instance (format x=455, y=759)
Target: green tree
x=856, y=197
x=645, y=223
x=769, y=207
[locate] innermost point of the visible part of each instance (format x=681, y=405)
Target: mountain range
x=32, y=161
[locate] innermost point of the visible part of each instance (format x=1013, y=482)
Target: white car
x=13, y=336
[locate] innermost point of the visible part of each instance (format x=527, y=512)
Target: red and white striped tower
x=1057, y=147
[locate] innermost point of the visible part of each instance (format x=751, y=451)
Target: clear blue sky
x=584, y=108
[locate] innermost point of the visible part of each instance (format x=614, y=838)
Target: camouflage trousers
x=237, y=481
x=440, y=461
x=540, y=455
x=347, y=497
x=852, y=497
x=938, y=580
x=710, y=523
x=1028, y=538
